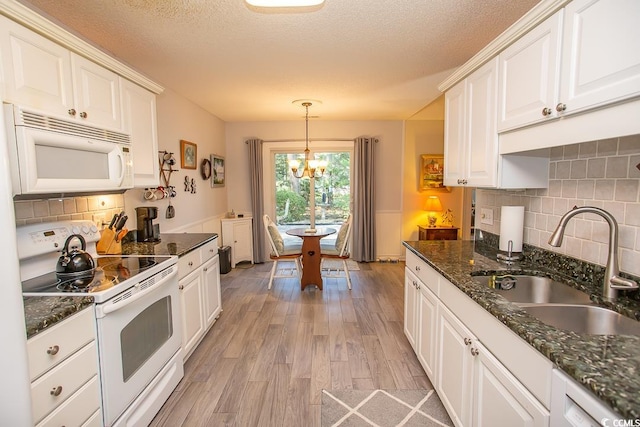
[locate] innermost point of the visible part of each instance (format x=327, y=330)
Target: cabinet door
x=482, y=137
x=211, y=289
x=455, y=367
x=192, y=316
x=454, y=135
x=529, y=75
x=410, y=306
x=242, y=242
x=37, y=71
x=427, y=321
x=96, y=93
x=499, y=398
x=139, y=120
x=601, y=53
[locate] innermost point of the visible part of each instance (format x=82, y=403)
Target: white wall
x=389, y=166
x=597, y=173
x=179, y=118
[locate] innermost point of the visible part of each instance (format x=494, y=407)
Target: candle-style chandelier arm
x=311, y=166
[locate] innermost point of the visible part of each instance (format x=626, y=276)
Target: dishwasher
x=574, y=406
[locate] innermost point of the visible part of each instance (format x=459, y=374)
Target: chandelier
x=312, y=168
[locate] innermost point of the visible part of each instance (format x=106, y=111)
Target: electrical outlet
x=486, y=216
x=98, y=220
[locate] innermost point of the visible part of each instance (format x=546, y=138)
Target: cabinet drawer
x=67, y=378
x=209, y=250
x=54, y=345
x=188, y=263
x=425, y=273
x=82, y=407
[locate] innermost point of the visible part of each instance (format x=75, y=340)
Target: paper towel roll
x=511, y=227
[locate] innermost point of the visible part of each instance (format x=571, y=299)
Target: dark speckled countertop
x=169, y=244
x=43, y=312
x=607, y=365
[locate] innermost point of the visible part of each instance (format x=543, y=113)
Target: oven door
x=138, y=333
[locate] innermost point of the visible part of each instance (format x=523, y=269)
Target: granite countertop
x=169, y=244
x=43, y=312
x=607, y=365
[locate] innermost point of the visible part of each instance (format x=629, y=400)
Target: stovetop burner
x=109, y=272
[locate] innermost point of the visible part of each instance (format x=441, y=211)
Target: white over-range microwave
x=55, y=155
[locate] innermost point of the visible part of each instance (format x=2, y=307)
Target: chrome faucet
x=612, y=280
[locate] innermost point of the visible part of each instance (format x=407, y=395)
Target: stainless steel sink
x=583, y=319
x=533, y=289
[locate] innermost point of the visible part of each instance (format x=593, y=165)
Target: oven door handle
x=110, y=308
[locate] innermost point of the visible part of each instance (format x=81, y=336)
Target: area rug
x=383, y=408
x=336, y=264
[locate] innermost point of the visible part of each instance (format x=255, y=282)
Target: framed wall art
x=188, y=154
x=431, y=172
x=217, y=171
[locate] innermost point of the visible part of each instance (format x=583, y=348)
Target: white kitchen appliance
x=137, y=316
x=55, y=155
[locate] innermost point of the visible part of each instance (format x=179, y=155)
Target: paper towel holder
x=510, y=257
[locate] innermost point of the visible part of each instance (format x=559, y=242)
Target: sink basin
x=583, y=319
x=533, y=289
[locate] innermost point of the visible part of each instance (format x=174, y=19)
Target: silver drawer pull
x=56, y=391
x=53, y=350
x=467, y=341
x=474, y=351
x=190, y=263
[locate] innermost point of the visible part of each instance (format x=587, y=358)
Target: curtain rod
x=310, y=140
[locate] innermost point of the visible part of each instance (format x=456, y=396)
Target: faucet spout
x=612, y=280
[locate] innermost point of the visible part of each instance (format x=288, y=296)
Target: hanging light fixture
x=311, y=166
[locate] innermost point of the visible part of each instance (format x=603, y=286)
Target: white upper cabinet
x=601, y=53
x=139, y=120
x=529, y=76
x=471, y=139
x=585, y=56
x=46, y=76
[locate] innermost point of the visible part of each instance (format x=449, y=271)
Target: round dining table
x=311, y=257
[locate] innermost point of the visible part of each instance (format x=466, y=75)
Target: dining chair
x=281, y=251
x=340, y=250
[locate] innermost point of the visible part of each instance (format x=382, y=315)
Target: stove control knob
x=94, y=229
x=75, y=230
x=85, y=229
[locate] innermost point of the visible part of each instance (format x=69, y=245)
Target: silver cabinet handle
x=474, y=351
x=56, y=391
x=181, y=287
x=417, y=268
x=467, y=341
x=462, y=181
x=415, y=285
x=561, y=107
x=83, y=115
x=72, y=112
x=53, y=350
x=204, y=269
x=190, y=263
x=546, y=111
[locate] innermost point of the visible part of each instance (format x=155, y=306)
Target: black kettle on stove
x=75, y=262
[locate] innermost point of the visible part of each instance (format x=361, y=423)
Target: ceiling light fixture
x=284, y=3
x=310, y=165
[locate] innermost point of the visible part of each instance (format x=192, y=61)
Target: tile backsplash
x=602, y=173
x=99, y=207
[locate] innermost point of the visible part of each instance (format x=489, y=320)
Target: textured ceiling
x=364, y=59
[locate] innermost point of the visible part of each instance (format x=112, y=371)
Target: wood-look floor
x=271, y=353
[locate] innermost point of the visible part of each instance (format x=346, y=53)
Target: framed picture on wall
x=217, y=171
x=431, y=173
x=188, y=154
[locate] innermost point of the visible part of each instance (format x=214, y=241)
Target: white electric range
x=136, y=311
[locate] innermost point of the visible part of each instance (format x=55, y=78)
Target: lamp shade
x=432, y=204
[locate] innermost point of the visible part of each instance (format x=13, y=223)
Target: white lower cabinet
x=477, y=385
x=63, y=365
x=238, y=234
x=200, y=300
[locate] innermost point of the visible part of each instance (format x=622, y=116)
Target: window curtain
x=364, y=227
x=257, y=198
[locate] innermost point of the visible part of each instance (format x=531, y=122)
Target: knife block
x=107, y=245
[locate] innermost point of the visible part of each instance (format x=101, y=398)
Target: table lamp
x=432, y=205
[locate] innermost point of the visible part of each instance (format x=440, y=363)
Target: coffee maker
x=145, y=216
